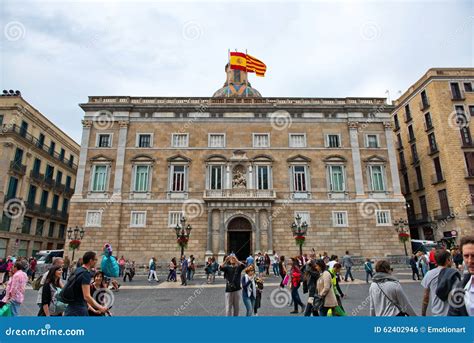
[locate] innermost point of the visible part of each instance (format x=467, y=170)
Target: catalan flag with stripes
x=245, y=62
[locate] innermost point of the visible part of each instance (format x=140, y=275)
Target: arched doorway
x=239, y=237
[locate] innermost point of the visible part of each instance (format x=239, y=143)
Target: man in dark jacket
x=311, y=276
x=462, y=299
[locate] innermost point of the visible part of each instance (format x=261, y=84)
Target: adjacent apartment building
x=433, y=134
x=38, y=165
x=240, y=167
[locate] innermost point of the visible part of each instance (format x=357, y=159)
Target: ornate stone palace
x=240, y=167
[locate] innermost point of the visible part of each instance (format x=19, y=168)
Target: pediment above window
x=216, y=158
x=262, y=158
x=100, y=158
x=335, y=158
x=143, y=158
x=179, y=159
x=375, y=159
x=298, y=158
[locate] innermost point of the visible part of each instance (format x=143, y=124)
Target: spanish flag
x=238, y=60
x=245, y=62
x=255, y=66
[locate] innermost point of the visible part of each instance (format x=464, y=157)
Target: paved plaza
x=141, y=298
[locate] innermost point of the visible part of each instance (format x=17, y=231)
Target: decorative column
x=269, y=235
x=392, y=158
x=209, y=234
x=257, y=231
x=228, y=177
x=356, y=161
x=250, y=173
x=119, y=164
x=81, y=166
x=221, y=236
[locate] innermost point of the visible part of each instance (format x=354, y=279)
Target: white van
x=45, y=259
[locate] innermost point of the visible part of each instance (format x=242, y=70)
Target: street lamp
x=401, y=227
x=299, y=232
x=182, y=234
x=75, y=236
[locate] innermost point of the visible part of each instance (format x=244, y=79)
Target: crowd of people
x=441, y=272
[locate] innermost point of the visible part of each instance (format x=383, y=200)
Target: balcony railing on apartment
x=18, y=167
x=15, y=129
x=238, y=193
x=424, y=104
x=46, y=212
x=443, y=213
x=422, y=218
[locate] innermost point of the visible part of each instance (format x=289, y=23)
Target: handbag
x=318, y=302
x=6, y=311
x=401, y=313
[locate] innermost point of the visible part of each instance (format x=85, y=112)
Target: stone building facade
x=240, y=167
x=433, y=136
x=38, y=164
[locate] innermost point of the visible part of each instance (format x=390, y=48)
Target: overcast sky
x=57, y=54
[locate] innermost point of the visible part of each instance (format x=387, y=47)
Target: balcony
x=59, y=187
x=444, y=213
x=424, y=104
x=68, y=192
x=17, y=167
x=15, y=129
x=421, y=218
x=431, y=150
x=49, y=182
x=35, y=176
x=435, y=178
x=59, y=215
x=458, y=96
x=239, y=194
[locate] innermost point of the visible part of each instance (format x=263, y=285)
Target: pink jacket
x=16, y=287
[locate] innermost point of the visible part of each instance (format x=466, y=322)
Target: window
x=93, y=218
x=407, y=112
x=261, y=140
x=71, y=160
x=263, y=177
x=18, y=159
x=62, y=152
x=424, y=99
x=428, y=121
x=215, y=177
x=138, y=219
x=12, y=188
x=44, y=199
x=40, y=143
x=142, y=177
x=372, y=141
x=62, y=230
x=52, y=147
x=51, y=229
x=411, y=133
x=432, y=142
x=65, y=205
x=333, y=141
x=382, y=217
x=180, y=140
x=144, y=140
x=36, y=248
x=305, y=218
x=32, y=194
x=401, y=156
x=26, y=227
x=406, y=183
x=178, y=178
x=104, y=140
x=414, y=153
x=216, y=140
x=438, y=170
x=59, y=177
x=297, y=140
x=376, y=178
x=99, y=178
x=299, y=179
x=23, y=248
x=39, y=227
x=444, y=203
x=55, y=203
x=1, y=123
x=23, y=128
x=49, y=172
x=419, y=177
x=339, y=218
x=469, y=157
x=36, y=165
x=396, y=122
x=174, y=217
x=455, y=91
x=336, y=178
x=468, y=86
x=3, y=247
x=423, y=207
x=68, y=182
x=399, y=140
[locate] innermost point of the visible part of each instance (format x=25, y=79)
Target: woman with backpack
x=295, y=275
x=50, y=305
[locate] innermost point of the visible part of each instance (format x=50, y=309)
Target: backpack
x=56, y=306
x=67, y=294
x=37, y=283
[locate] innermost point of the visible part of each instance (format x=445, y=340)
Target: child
x=258, y=298
x=368, y=270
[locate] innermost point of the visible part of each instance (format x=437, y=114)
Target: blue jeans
x=295, y=297
x=276, y=270
x=15, y=307
x=367, y=276
x=348, y=273
x=76, y=311
x=249, y=304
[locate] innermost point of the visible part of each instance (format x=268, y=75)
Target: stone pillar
x=269, y=235
x=250, y=173
x=356, y=161
x=209, y=234
x=81, y=166
x=221, y=236
x=392, y=159
x=228, y=178
x=120, y=158
x=257, y=231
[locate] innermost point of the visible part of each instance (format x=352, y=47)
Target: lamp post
x=182, y=234
x=401, y=227
x=75, y=236
x=299, y=230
